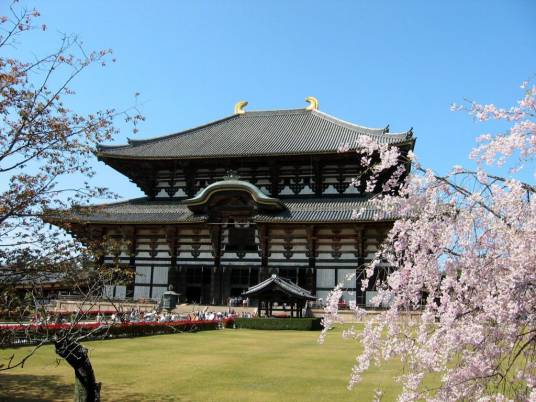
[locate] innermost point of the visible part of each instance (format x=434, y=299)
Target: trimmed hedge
x=15, y=335
x=297, y=324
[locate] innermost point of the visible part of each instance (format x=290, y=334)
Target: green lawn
x=228, y=365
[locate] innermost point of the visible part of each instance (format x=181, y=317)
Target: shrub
x=14, y=335
x=297, y=324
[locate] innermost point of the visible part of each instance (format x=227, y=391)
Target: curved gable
x=233, y=193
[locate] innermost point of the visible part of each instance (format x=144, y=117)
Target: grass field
x=228, y=365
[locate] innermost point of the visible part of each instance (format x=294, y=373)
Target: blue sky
x=372, y=63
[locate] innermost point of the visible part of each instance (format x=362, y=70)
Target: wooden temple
x=231, y=202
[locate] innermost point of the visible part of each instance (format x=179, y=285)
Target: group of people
x=163, y=316
x=238, y=302
x=50, y=318
x=136, y=315
x=209, y=315
x=246, y=314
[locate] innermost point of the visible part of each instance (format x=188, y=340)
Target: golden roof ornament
x=313, y=103
x=239, y=107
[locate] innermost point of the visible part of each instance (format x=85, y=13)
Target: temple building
x=230, y=203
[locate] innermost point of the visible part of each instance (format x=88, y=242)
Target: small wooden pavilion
x=279, y=290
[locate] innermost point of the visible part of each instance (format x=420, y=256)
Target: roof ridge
x=252, y=113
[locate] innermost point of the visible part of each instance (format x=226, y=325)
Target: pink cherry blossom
x=464, y=249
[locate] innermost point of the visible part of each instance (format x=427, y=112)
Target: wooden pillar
x=132, y=267
x=264, y=245
x=171, y=239
x=214, y=297
x=216, y=278
x=360, y=254
x=310, y=283
x=181, y=282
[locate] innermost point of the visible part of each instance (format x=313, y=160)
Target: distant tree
x=42, y=142
x=464, y=249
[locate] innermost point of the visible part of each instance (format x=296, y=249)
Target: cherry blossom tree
x=43, y=142
x=464, y=249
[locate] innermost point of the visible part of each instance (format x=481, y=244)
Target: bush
x=297, y=324
x=15, y=335
x=157, y=328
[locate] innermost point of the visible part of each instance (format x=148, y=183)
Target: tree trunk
x=86, y=387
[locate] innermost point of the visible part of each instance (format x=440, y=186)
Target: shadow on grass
x=32, y=388
x=47, y=388
x=121, y=393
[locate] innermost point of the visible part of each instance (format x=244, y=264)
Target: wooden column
x=129, y=235
x=216, y=274
x=172, y=233
x=360, y=254
x=311, y=254
x=264, y=249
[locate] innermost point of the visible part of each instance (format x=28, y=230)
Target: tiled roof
x=257, y=133
x=139, y=210
x=325, y=210
x=145, y=211
x=282, y=284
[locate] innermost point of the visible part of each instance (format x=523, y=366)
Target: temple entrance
x=193, y=294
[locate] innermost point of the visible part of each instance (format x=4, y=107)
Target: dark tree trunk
x=76, y=355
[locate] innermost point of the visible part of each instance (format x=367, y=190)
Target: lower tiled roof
x=139, y=210
x=325, y=210
x=145, y=211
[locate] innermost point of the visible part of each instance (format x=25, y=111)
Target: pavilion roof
x=255, y=133
x=297, y=210
x=276, y=284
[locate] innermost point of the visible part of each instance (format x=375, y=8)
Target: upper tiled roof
x=145, y=211
x=256, y=133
